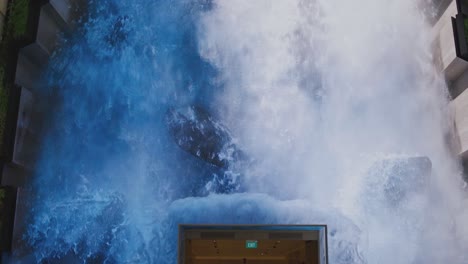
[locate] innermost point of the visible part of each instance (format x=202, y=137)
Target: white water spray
x=317, y=91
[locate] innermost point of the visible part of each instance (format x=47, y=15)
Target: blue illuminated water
x=111, y=185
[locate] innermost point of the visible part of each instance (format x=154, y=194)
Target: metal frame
x=322, y=229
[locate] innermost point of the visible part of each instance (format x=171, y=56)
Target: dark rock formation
x=196, y=132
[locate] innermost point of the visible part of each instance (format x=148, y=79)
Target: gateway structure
x=253, y=244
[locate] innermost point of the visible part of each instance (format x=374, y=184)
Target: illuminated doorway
x=253, y=244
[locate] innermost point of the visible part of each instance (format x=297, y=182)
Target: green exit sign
x=251, y=244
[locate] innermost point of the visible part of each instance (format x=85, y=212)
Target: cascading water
x=314, y=93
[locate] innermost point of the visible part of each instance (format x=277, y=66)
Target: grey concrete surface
x=26, y=134
x=50, y=26
x=27, y=72
x=444, y=45
x=460, y=108
x=69, y=10
x=459, y=85
x=56, y=17
x=13, y=175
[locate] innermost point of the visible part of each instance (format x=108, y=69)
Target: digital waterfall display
x=247, y=112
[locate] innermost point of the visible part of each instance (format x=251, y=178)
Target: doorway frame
x=321, y=228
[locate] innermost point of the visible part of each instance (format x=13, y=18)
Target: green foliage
x=17, y=18
x=15, y=28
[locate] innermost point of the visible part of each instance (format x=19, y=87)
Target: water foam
x=315, y=92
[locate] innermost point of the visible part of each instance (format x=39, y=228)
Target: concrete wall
x=456, y=74
x=445, y=52
x=460, y=111
x=56, y=17
x=454, y=68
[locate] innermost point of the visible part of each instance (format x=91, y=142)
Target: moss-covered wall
x=16, y=26
x=17, y=19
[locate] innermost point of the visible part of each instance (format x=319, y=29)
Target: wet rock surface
x=195, y=131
